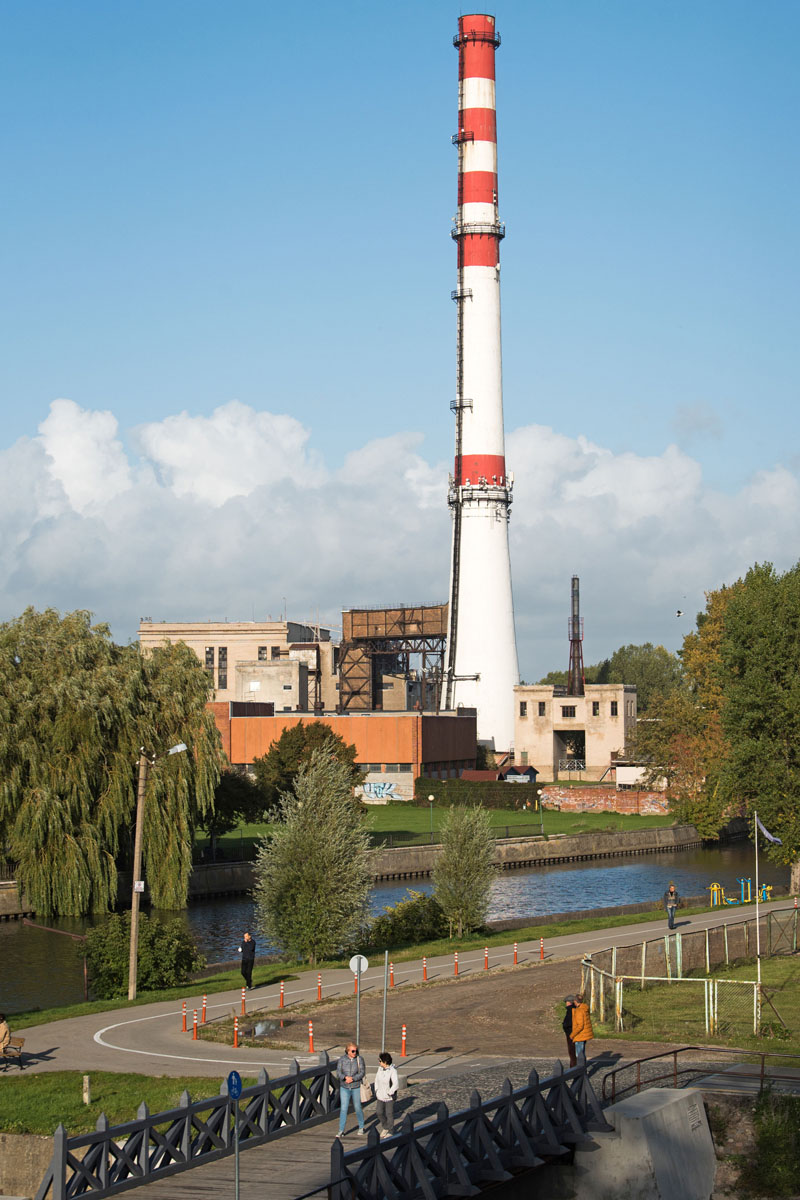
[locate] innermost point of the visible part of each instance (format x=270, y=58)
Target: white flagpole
x=758, y=924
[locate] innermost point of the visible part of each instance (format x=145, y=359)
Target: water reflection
x=41, y=969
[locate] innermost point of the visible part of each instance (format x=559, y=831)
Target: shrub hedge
x=467, y=793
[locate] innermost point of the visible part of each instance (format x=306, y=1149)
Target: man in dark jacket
x=566, y=1025
x=671, y=902
x=248, y=953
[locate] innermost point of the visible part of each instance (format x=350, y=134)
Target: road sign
x=358, y=964
x=234, y=1085
x=138, y=885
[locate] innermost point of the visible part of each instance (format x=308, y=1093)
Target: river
x=40, y=969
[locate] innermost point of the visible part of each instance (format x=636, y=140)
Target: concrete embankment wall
x=511, y=853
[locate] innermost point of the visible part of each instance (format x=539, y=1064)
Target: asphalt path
x=148, y=1039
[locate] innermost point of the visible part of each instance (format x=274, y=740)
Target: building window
x=542, y=709
x=595, y=708
x=287, y=708
x=614, y=712
x=523, y=708
x=209, y=658
x=287, y=687
x=568, y=710
x=392, y=767
x=276, y=651
x=262, y=653
x=375, y=767
x=404, y=766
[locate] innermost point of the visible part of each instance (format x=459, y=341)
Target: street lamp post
x=430, y=802
x=145, y=762
x=541, y=810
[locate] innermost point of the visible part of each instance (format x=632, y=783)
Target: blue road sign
x=234, y=1085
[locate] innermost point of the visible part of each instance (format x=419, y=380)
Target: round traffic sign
x=358, y=964
x=234, y=1085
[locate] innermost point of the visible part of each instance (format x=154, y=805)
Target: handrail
x=117, y=1157
x=697, y=1069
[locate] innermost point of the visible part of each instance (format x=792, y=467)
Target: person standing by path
x=671, y=902
x=386, y=1085
x=582, y=1030
x=566, y=1025
x=350, y=1071
x=248, y=953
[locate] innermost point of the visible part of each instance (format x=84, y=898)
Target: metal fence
x=484, y=1144
x=618, y=981
x=116, y=1158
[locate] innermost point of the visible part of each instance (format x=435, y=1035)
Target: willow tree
x=464, y=871
x=74, y=711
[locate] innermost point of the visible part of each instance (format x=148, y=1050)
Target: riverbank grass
x=38, y=1103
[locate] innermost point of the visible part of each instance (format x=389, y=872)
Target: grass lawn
x=38, y=1103
x=410, y=824
x=676, y=1012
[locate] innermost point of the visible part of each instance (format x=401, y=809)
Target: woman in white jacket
x=385, y=1091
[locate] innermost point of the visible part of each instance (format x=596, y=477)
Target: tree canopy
x=74, y=711
x=313, y=875
x=277, y=770
x=463, y=872
x=238, y=800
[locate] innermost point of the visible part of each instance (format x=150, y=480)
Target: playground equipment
x=718, y=896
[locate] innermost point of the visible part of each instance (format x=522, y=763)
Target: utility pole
x=145, y=760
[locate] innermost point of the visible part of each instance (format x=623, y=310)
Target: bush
x=466, y=793
x=167, y=955
x=417, y=919
x=774, y=1168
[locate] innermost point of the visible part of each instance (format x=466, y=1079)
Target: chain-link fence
x=662, y=986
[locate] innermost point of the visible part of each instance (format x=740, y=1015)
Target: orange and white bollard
x=355, y=985
x=203, y=1014
x=515, y=953
x=236, y=1033
x=486, y=958
x=280, y=1002
x=403, y=1043
x=424, y=968
x=391, y=974
x=194, y=1026
x=455, y=963
x=183, y=1028
x=310, y=1037
x=319, y=986
x=541, y=949
x=244, y=1009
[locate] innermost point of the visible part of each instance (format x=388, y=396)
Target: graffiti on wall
x=381, y=791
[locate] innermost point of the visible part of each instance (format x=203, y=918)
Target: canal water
x=40, y=969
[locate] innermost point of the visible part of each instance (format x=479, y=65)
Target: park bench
x=13, y=1050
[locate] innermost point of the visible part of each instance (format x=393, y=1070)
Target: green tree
x=759, y=679
x=238, y=800
x=464, y=870
x=276, y=771
x=74, y=710
x=313, y=875
x=653, y=670
x=167, y=955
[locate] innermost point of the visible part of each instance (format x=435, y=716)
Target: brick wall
x=605, y=799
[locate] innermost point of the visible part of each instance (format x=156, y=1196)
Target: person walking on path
x=386, y=1085
x=582, y=1031
x=566, y=1025
x=248, y=953
x=350, y=1071
x=671, y=902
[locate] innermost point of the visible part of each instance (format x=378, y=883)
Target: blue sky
x=209, y=203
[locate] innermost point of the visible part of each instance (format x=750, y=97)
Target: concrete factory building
x=284, y=663
x=481, y=665
x=572, y=737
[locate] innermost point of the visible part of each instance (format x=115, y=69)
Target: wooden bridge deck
x=285, y=1169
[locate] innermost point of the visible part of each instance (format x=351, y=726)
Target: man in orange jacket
x=581, y=1027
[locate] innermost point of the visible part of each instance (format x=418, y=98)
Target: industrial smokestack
x=575, y=680
x=481, y=666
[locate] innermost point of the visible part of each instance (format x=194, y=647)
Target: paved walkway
x=148, y=1039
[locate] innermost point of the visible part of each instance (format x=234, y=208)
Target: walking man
x=671, y=902
x=350, y=1070
x=248, y=953
x=582, y=1031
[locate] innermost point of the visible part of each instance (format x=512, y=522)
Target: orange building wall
x=221, y=713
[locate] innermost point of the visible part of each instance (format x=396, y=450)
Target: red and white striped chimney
x=481, y=666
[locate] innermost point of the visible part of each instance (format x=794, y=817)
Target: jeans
x=671, y=917
x=345, y=1095
x=580, y=1052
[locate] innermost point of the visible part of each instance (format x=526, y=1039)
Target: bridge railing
x=117, y=1157
x=455, y=1153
